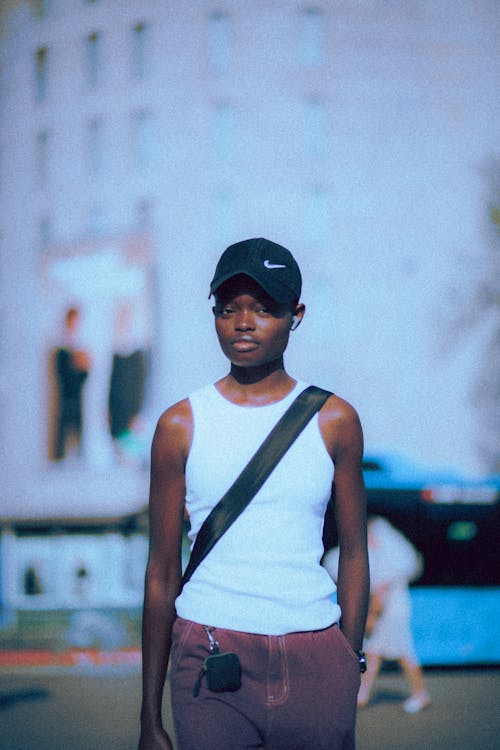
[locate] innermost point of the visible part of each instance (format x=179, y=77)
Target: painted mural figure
x=71, y=367
x=127, y=381
x=126, y=392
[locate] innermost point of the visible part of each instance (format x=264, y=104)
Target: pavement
x=94, y=704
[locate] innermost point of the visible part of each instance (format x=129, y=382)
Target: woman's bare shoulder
x=174, y=429
x=337, y=409
x=340, y=425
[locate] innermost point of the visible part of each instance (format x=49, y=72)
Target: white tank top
x=264, y=574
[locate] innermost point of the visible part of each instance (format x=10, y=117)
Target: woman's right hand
x=155, y=739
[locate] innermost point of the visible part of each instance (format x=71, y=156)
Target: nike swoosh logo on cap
x=268, y=264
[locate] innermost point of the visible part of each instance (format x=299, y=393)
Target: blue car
x=453, y=519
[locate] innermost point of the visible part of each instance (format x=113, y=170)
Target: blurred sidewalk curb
x=87, y=657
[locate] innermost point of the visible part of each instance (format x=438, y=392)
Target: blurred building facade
x=138, y=139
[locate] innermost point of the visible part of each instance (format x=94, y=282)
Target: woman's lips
x=244, y=345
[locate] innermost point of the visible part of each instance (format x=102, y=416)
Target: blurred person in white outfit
x=394, y=563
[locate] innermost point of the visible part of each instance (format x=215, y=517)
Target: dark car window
x=456, y=532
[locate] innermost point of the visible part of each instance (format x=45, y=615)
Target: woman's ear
x=298, y=314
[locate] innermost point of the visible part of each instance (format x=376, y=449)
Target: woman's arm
x=341, y=429
x=169, y=453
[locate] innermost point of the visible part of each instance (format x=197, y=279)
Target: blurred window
x=94, y=62
x=140, y=37
x=223, y=216
x=31, y=581
x=223, y=130
x=312, y=36
x=41, y=67
x=315, y=127
x=370, y=465
x=42, y=157
x=318, y=216
x=219, y=43
x=144, y=211
x=97, y=220
x=44, y=233
x=95, y=146
x=143, y=139
x=40, y=8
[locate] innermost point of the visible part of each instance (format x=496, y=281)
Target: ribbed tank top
x=264, y=575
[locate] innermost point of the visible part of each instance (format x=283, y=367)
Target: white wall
x=379, y=206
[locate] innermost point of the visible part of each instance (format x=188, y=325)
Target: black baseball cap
x=272, y=266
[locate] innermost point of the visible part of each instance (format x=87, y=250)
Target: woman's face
x=252, y=328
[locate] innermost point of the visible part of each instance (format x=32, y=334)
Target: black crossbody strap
x=255, y=473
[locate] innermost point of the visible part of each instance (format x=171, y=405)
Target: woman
x=261, y=592
x=394, y=563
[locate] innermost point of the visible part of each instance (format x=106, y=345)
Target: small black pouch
x=223, y=673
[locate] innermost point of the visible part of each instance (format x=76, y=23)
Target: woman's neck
x=257, y=385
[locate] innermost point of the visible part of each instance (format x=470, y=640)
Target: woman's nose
x=244, y=321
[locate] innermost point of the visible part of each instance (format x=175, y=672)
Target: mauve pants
x=298, y=691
